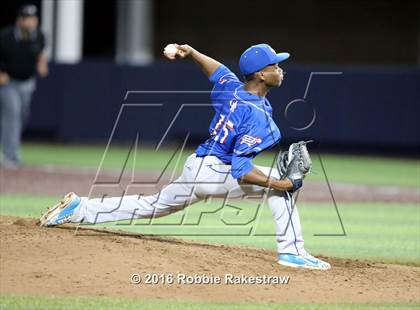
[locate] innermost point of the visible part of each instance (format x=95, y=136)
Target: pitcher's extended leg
x=170, y=199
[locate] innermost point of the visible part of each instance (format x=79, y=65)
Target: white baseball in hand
x=170, y=51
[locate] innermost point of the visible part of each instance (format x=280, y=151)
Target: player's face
x=273, y=75
x=28, y=23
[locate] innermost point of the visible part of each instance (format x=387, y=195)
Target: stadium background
x=372, y=106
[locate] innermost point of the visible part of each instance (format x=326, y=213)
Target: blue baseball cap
x=258, y=57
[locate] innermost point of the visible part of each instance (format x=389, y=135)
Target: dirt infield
x=57, y=181
x=58, y=261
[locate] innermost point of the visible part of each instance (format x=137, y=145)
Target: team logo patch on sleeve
x=250, y=140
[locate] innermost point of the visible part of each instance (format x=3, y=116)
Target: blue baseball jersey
x=242, y=126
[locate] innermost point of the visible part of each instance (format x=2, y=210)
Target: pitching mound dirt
x=58, y=261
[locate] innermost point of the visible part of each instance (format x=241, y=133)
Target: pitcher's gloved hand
x=295, y=164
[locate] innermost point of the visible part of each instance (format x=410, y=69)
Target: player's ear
x=260, y=75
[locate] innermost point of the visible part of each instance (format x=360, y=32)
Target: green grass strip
x=85, y=303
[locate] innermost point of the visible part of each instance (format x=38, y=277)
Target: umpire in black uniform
x=21, y=57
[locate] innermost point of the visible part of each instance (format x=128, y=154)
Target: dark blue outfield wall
x=360, y=107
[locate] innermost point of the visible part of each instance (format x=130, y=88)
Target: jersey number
x=223, y=128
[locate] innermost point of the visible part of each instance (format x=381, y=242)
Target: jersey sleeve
x=241, y=165
x=222, y=73
x=224, y=81
x=246, y=147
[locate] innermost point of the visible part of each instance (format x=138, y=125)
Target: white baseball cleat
x=303, y=261
x=62, y=212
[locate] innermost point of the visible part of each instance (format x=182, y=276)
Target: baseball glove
x=295, y=164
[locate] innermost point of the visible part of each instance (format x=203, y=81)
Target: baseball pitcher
x=242, y=127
